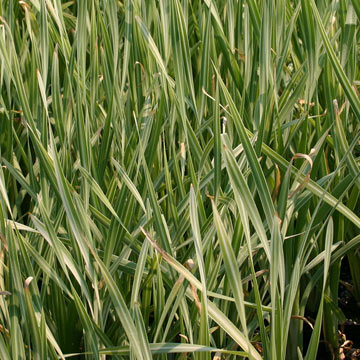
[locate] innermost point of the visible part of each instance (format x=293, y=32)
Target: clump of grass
x=178, y=177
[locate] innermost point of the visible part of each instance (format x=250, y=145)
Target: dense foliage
x=177, y=177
